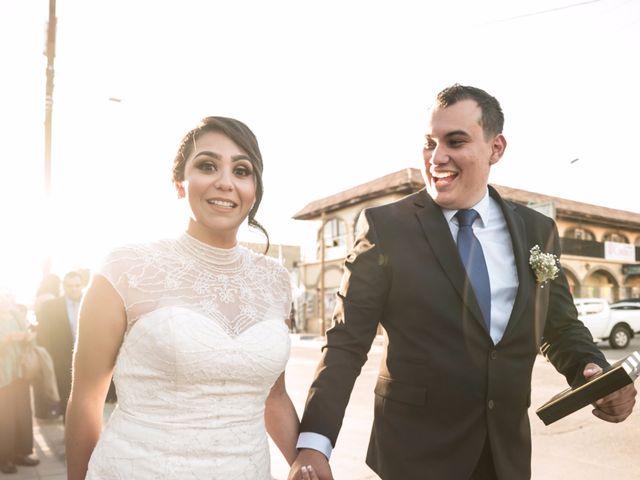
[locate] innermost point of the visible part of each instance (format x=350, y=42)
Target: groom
x=446, y=273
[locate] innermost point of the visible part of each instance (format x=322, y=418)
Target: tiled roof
x=410, y=180
x=405, y=181
x=573, y=210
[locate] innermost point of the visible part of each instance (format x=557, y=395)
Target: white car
x=617, y=323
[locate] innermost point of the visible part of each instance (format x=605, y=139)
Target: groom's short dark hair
x=492, y=120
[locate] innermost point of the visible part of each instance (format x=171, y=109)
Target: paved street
x=577, y=447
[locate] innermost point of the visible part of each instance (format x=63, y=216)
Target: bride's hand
x=308, y=473
x=310, y=465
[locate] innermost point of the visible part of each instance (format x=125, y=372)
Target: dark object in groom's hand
x=621, y=373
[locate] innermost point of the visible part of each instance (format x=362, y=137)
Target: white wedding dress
x=206, y=340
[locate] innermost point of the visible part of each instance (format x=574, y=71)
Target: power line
x=543, y=12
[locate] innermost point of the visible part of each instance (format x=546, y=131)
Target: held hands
x=310, y=465
x=616, y=406
x=308, y=473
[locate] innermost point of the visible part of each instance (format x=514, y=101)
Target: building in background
x=289, y=256
x=600, y=246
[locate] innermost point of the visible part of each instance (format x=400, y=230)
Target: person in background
x=56, y=331
x=194, y=331
x=16, y=425
x=291, y=322
x=49, y=289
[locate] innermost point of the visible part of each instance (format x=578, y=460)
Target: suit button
x=494, y=354
x=490, y=404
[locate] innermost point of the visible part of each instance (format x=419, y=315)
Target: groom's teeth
x=443, y=174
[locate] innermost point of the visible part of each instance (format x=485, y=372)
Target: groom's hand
x=309, y=456
x=616, y=406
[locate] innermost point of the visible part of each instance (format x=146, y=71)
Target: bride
x=193, y=331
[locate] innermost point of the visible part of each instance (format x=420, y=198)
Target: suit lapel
x=516, y=227
x=439, y=237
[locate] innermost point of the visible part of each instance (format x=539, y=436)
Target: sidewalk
x=49, y=448
x=48, y=442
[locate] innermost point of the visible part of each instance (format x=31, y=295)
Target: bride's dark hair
x=242, y=136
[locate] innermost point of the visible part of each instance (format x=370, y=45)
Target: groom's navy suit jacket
x=443, y=386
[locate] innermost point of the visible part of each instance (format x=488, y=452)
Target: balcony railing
x=586, y=248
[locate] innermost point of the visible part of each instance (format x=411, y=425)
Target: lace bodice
x=234, y=287
x=206, y=340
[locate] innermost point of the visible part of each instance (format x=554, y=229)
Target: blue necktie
x=474, y=263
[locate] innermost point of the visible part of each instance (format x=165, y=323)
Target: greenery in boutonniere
x=544, y=265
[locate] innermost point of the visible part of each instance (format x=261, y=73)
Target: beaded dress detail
x=206, y=339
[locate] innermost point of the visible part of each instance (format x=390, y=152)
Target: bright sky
x=336, y=91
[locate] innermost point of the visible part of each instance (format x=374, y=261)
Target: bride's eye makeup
x=243, y=170
x=206, y=166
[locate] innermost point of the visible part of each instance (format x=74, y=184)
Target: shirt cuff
x=315, y=441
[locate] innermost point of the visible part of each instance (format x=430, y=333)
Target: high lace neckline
x=208, y=254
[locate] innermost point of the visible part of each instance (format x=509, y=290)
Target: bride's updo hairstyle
x=242, y=136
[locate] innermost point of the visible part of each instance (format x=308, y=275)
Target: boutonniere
x=544, y=265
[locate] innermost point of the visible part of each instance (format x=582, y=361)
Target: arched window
x=580, y=233
x=615, y=237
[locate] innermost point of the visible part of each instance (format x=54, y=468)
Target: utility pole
x=50, y=52
x=323, y=325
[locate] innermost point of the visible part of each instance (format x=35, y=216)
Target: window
x=586, y=307
x=357, y=218
x=580, y=234
x=634, y=306
x=335, y=233
x=616, y=237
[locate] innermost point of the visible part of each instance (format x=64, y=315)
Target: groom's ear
x=498, y=146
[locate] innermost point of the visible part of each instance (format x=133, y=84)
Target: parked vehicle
x=628, y=304
x=617, y=323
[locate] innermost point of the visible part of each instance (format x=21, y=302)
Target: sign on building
x=623, y=252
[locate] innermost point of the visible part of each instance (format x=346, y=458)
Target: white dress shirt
x=490, y=227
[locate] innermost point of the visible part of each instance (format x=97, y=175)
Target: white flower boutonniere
x=544, y=265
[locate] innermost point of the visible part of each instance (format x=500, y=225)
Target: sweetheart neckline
x=208, y=319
